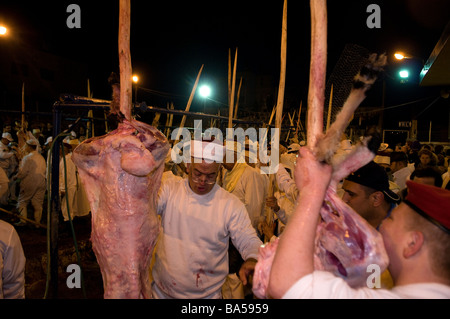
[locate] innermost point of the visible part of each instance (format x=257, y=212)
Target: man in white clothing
x=31, y=173
x=73, y=191
x=12, y=263
x=198, y=219
x=416, y=236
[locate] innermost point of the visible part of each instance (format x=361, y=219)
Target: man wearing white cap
x=72, y=192
x=198, y=218
x=31, y=173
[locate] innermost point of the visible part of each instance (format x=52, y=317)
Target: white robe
x=191, y=259
x=251, y=189
x=78, y=203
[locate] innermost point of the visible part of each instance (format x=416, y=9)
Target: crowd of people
x=25, y=162
x=216, y=214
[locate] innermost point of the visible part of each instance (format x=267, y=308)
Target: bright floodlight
x=403, y=74
x=3, y=30
x=135, y=78
x=205, y=91
x=399, y=56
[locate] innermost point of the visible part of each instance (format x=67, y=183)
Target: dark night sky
x=170, y=41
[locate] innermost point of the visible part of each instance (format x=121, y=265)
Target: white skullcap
x=8, y=136
x=49, y=140
x=209, y=151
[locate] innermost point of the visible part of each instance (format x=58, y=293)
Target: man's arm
x=294, y=257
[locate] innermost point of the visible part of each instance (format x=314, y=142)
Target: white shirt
x=191, y=258
x=286, y=183
x=70, y=174
x=33, y=165
x=401, y=176
x=325, y=285
x=12, y=263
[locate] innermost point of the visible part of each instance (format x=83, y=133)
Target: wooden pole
x=317, y=71
x=279, y=111
x=237, y=99
x=23, y=106
x=126, y=92
x=229, y=76
x=281, y=86
x=298, y=120
x=429, y=134
x=330, y=103
x=188, y=106
x=24, y=218
x=233, y=85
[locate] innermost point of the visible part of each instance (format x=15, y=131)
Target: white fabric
x=324, y=285
x=401, y=176
x=287, y=207
x=211, y=151
x=286, y=183
x=78, y=203
x=251, y=189
x=32, y=170
x=12, y=263
x=191, y=259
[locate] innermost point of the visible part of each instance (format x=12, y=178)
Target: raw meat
x=345, y=243
x=121, y=172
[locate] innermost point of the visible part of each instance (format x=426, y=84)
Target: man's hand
x=247, y=269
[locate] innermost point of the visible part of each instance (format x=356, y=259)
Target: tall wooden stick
x=233, y=85
x=188, y=106
x=23, y=106
x=281, y=87
x=125, y=58
x=317, y=71
x=229, y=76
x=298, y=120
x=330, y=103
x=237, y=99
x=279, y=111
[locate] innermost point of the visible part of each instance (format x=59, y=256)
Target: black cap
x=374, y=176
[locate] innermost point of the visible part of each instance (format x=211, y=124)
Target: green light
x=205, y=91
x=403, y=74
